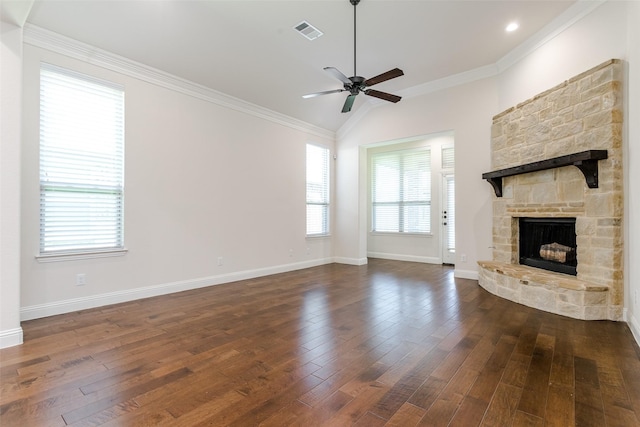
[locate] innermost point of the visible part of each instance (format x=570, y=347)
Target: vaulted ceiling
x=249, y=49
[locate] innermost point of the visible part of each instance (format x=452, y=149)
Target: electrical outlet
x=290, y=252
x=463, y=257
x=220, y=260
x=81, y=279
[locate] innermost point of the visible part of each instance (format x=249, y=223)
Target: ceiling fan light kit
x=356, y=84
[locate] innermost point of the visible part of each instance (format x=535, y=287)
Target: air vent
x=308, y=30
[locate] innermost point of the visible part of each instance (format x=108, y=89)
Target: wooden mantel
x=586, y=161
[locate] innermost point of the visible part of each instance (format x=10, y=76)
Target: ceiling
x=249, y=49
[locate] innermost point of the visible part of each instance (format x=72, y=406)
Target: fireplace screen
x=549, y=243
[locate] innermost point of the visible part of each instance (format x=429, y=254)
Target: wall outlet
x=81, y=279
x=463, y=258
x=220, y=260
x=290, y=252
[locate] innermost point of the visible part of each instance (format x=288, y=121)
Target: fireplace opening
x=549, y=243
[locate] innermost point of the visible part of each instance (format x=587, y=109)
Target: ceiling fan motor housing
x=356, y=86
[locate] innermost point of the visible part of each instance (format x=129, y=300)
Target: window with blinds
x=401, y=191
x=448, y=158
x=81, y=163
x=317, y=190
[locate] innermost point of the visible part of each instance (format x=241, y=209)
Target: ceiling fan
x=356, y=84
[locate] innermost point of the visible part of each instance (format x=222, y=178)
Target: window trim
x=327, y=204
x=72, y=256
x=400, y=204
x=86, y=252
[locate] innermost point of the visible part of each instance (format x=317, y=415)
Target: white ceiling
x=249, y=50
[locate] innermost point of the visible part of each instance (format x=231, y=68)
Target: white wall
x=10, y=102
x=466, y=111
x=596, y=38
x=632, y=169
x=202, y=181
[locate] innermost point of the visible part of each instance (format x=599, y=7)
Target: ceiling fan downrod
x=354, y=3
x=356, y=84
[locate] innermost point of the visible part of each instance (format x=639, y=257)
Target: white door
x=448, y=219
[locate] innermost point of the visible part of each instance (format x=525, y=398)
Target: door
x=448, y=219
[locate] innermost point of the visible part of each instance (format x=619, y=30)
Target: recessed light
x=512, y=27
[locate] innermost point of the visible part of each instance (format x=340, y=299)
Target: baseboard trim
x=11, y=337
x=465, y=274
x=634, y=325
x=67, y=306
x=350, y=261
x=409, y=258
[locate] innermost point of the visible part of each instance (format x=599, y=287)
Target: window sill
x=73, y=256
x=395, y=233
x=317, y=236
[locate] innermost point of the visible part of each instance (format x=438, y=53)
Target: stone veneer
x=583, y=113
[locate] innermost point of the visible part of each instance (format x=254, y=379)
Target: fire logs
x=557, y=252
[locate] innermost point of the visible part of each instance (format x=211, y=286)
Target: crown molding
x=419, y=90
x=58, y=43
x=566, y=19
x=573, y=14
x=49, y=40
x=451, y=81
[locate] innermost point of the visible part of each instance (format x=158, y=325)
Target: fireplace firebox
x=549, y=243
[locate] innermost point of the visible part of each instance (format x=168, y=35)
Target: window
x=401, y=191
x=81, y=163
x=317, y=190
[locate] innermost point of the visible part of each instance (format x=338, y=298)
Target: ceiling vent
x=308, y=30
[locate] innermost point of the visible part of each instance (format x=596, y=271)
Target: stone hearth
x=583, y=113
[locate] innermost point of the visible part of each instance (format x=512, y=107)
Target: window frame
x=324, y=202
x=107, y=181
x=402, y=154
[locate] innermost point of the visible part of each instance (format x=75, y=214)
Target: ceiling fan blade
x=338, y=75
x=348, y=103
x=391, y=74
x=383, y=95
x=326, y=92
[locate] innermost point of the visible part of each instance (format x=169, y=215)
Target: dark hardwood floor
x=387, y=344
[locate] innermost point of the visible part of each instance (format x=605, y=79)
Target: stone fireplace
x=557, y=167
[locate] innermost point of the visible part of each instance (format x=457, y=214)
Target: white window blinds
x=448, y=158
x=401, y=191
x=317, y=190
x=81, y=163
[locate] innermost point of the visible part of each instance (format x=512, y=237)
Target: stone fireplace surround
x=583, y=113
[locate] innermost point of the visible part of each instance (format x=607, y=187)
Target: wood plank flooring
x=387, y=344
